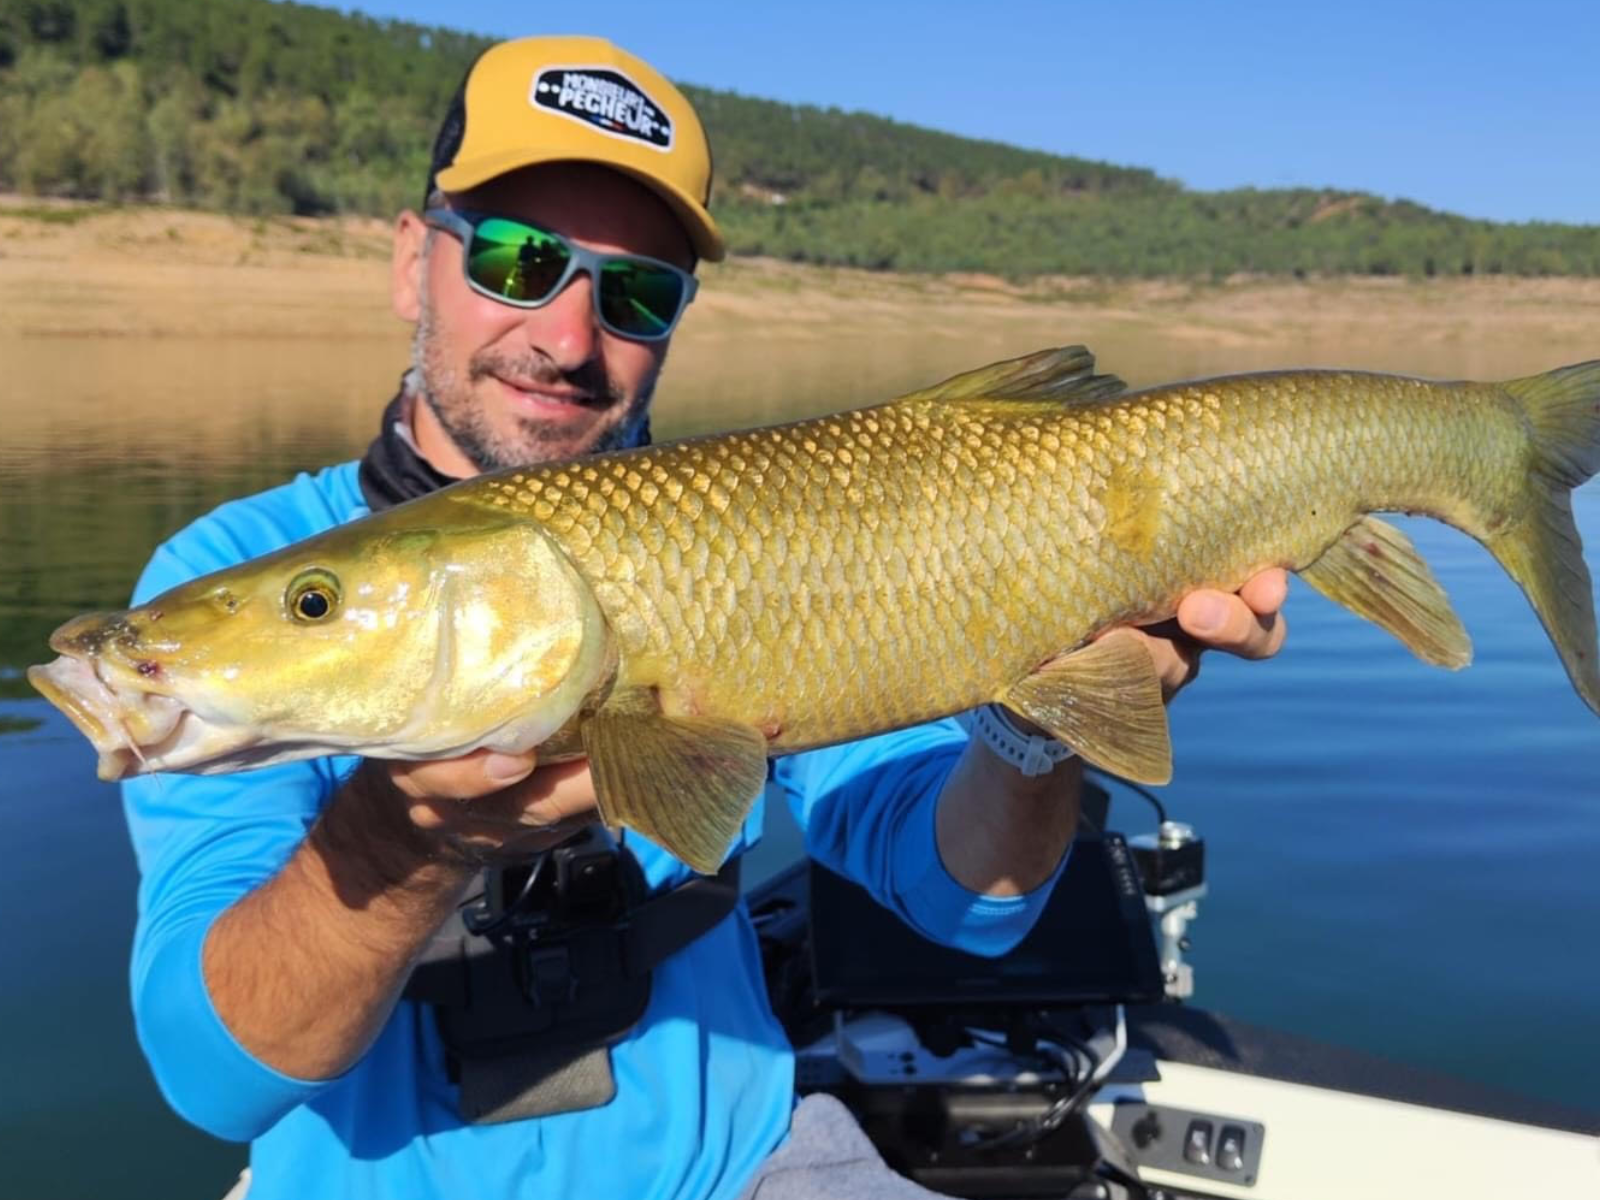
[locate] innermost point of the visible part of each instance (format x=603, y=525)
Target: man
x=282, y=910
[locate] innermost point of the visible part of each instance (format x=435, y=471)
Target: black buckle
x=547, y=976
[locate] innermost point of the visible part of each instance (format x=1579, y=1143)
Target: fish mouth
x=130, y=728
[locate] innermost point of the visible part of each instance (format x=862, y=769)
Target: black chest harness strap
x=532, y=984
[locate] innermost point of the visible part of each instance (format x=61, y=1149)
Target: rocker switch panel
x=1202, y=1145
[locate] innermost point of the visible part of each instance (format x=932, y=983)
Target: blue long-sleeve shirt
x=704, y=1081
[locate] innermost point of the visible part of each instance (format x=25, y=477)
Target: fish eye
x=313, y=596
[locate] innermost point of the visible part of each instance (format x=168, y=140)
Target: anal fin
x=1375, y=572
x=686, y=783
x=1103, y=700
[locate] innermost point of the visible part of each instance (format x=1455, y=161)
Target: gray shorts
x=828, y=1157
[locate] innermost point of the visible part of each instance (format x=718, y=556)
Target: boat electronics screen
x=1092, y=945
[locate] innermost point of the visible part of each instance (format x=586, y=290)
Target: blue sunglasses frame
x=464, y=225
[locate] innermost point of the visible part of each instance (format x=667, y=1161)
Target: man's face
x=508, y=387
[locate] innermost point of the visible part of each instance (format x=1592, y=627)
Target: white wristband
x=1030, y=754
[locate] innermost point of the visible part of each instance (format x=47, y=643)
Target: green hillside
x=252, y=106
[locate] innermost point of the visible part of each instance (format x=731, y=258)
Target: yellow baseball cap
x=578, y=99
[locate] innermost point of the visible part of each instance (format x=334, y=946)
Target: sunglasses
x=524, y=266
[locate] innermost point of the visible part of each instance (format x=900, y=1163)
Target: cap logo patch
x=605, y=99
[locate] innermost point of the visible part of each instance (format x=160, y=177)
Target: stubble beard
x=531, y=441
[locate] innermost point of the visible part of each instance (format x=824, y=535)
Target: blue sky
x=1491, y=110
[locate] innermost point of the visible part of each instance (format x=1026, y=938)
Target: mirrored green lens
x=514, y=260
x=638, y=299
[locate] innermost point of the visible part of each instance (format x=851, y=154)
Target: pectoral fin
x=1375, y=572
x=1103, y=700
x=686, y=783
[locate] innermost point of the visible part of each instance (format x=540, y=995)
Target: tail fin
x=1563, y=407
x=1541, y=550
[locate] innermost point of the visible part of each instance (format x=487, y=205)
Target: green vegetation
x=252, y=106
x=1301, y=232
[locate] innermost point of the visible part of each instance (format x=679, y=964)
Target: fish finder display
x=1092, y=945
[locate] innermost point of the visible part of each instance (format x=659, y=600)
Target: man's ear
x=406, y=266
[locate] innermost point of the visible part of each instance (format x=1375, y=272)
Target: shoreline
x=71, y=270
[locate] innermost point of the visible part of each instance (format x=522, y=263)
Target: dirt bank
x=75, y=270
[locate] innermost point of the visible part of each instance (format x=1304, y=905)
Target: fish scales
x=678, y=613
x=882, y=567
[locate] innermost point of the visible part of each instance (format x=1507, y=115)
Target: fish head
x=420, y=634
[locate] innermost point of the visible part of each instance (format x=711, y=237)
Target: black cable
x=985, y=1037
x=1042, y=1126
x=475, y=921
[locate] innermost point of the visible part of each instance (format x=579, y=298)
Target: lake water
x=1401, y=859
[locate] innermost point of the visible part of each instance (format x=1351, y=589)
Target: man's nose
x=566, y=329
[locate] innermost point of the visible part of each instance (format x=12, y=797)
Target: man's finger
x=1266, y=592
x=1176, y=657
x=559, y=791
x=555, y=797
x=1221, y=621
x=477, y=774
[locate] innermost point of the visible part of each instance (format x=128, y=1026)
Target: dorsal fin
x=1062, y=375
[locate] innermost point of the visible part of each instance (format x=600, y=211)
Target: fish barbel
x=680, y=612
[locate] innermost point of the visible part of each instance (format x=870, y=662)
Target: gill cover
x=524, y=642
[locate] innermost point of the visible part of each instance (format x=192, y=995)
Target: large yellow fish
x=679, y=613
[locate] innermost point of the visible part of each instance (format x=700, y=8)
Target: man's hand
x=487, y=806
x=1248, y=624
